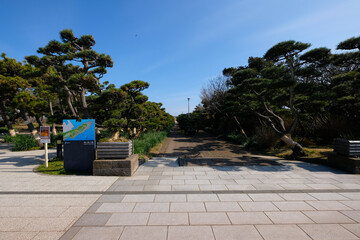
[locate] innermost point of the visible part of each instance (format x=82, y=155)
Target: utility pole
x=188, y=106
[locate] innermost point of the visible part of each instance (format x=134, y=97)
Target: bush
x=4, y=130
x=23, y=143
x=8, y=138
x=146, y=141
x=54, y=138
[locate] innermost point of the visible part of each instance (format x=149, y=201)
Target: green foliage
x=23, y=143
x=4, y=130
x=146, y=141
x=55, y=167
x=8, y=138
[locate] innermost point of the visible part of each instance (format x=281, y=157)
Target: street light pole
x=188, y=106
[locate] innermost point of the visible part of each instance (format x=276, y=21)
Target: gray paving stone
x=328, y=196
x=248, y=218
x=328, y=205
x=159, y=188
x=288, y=217
x=258, y=206
x=17, y=235
x=186, y=187
x=296, y=196
x=222, y=206
x=70, y=233
x=197, y=182
x=92, y=219
x=236, y=233
x=151, y=207
x=190, y=232
x=144, y=233
x=115, y=207
x=293, y=206
x=138, y=198
x=231, y=197
x=95, y=233
x=48, y=236
x=169, y=219
x=355, y=215
x=353, y=228
x=352, y=195
x=265, y=197
x=209, y=218
x=187, y=207
x=212, y=187
x=353, y=204
x=123, y=219
x=94, y=207
x=282, y=232
x=240, y=187
x=202, y=198
x=327, y=231
x=170, y=198
x=328, y=217
x=111, y=198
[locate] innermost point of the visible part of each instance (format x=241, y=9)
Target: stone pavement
x=294, y=200
x=37, y=206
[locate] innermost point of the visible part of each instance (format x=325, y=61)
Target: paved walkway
x=37, y=206
x=293, y=200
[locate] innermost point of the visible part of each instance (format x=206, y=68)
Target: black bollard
x=59, y=149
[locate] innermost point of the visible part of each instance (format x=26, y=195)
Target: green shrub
x=23, y=143
x=54, y=138
x=8, y=138
x=146, y=141
x=4, y=130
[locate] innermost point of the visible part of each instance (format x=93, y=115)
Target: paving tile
x=111, y=198
x=95, y=233
x=222, y=206
x=213, y=187
x=138, y=198
x=207, y=177
x=157, y=188
x=327, y=231
x=17, y=235
x=94, y=207
x=236, y=233
x=288, y=217
x=122, y=219
x=322, y=186
x=327, y=217
x=282, y=232
x=186, y=187
x=258, y=206
x=48, y=236
x=13, y=224
x=293, y=206
x=296, y=196
x=92, y=219
x=222, y=182
x=170, y=198
x=208, y=218
x=144, y=233
x=129, y=188
x=248, y=218
x=353, y=204
x=247, y=181
x=291, y=186
x=115, y=207
x=70, y=233
x=240, y=187
x=151, y=207
x=49, y=224
x=352, y=195
x=187, y=207
x=202, y=198
x=169, y=219
x=184, y=178
x=231, y=197
x=355, y=215
x=265, y=197
x=354, y=228
x=172, y=182
x=328, y=196
x=328, y=205
x=267, y=187
x=160, y=177
x=197, y=182
x=190, y=232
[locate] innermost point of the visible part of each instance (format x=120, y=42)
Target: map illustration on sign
x=83, y=130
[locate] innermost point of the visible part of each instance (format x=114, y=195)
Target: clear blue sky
x=176, y=45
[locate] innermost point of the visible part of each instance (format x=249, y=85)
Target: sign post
x=45, y=138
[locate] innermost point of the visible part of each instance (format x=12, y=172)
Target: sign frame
x=45, y=136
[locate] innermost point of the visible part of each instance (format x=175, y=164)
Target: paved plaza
x=293, y=200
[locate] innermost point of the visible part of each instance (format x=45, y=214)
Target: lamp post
x=188, y=106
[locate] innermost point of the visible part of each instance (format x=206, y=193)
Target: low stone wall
x=116, y=167
x=114, y=150
x=349, y=164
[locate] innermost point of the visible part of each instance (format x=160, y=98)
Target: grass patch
x=56, y=167
x=147, y=141
x=311, y=153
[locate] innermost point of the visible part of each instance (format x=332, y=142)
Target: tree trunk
x=30, y=125
x=53, y=129
x=115, y=136
x=38, y=120
x=295, y=147
x=84, y=104
x=69, y=102
x=7, y=119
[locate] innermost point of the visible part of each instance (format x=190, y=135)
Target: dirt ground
x=204, y=149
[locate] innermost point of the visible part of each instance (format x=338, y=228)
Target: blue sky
x=177, y=45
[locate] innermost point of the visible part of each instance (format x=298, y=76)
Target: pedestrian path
x=294, y=200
